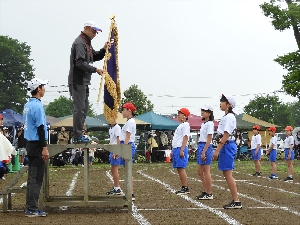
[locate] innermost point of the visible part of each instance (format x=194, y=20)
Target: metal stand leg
x=86, y=175
x=9, y=201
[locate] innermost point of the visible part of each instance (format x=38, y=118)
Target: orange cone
x=168, y=159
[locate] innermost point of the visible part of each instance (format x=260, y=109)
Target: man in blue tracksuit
x=36, y=135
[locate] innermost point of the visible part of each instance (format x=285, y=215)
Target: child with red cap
x=180, y=149
x=273, y=152
x=289, y=153
x=128, y=132
x=256, y=150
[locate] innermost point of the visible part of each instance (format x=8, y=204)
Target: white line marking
x=69, y=192
x=254, y=199
x=135, y=211
x=22, y=185
x=180, y=209
x=235, y=180
x=264, y=177
x=222, y=215
x=134, y=180
x=259, y=185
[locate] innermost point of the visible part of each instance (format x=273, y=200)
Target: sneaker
x=38, y=213
x=288, y=179
x=233, y=205
x=133, y=197
x=205, y=196
x=183, y=191
x=273, y=176
x=2, y=178
x=113, y=191
x=82, y=139
x=257, y=174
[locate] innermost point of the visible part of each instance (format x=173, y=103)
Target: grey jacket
x=81, y=60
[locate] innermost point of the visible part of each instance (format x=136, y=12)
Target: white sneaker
x=2, y=178
x=82, y=165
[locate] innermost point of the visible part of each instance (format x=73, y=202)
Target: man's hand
x=99, y=71
x=45, y=154
x=114, y=156
x=107, y=44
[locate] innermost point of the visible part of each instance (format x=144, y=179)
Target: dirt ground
x=264, y=201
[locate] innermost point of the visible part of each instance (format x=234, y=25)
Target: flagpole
x=113, y=20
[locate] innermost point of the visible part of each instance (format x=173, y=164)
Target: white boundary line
x=22, y=185
x=135, y=211
x=253, y=199
x=264, y=186
x=222, y=215
x=181, y=209
x=69, y=192
x=265, y=177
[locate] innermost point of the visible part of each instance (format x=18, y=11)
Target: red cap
x=289, y=128
x=256, y=127
x=185, y=111
x=272, y=129
x=1, y=117
x=130, y=106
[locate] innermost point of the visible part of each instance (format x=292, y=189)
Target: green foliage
x=295, y=111
x=138, y=98
x=283, y=19
x=15, y=69
x=63, y=107
x=270, y=109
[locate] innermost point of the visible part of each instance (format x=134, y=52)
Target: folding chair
x=245, y=154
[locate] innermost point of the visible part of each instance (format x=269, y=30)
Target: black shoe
x=288, y=179
x=257, y=174
x=183, y=191
x=205, y=196
x=233, y=205
x=113, y=191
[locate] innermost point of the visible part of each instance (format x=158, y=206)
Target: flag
x=112, y=91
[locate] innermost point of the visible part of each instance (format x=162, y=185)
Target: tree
x=64, y=107
x=283, y=19
x=295, y=111
x=15, y=70
x=138, y=98
x=270, y=109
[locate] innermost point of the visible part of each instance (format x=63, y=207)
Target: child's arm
x=127, y=138
x=270, y=148
x=207, y=144
x=184, y=142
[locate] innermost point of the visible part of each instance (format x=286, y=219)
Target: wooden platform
x=86, y=199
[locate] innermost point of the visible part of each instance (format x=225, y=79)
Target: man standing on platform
x=35, y=132
x=81, y=68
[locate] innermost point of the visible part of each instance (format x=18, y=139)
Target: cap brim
x=97, y=29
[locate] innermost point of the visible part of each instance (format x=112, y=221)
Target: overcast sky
x=182, y=48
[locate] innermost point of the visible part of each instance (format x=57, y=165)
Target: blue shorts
x=114, y=162
x=286, y=153
x=226, y=156
x=122, y=161
x=273, y=154
x=179, y=162
x=256, y=157
x=209, y=153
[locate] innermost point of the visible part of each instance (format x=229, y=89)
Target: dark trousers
x=36, y=169
x=238, y=152
x=80, y=95
x=154, y=154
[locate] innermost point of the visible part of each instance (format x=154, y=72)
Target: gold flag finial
x=113, y=17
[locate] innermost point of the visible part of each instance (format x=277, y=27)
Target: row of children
x=272, y=151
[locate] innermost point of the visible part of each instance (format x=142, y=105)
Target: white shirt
x=289, y=140
x=256, y=139
x=114, y=132
x=206, y=129
x=273, y=141
x=182, y=130
x=297, y=142
x=130, y=127
x=228, y=124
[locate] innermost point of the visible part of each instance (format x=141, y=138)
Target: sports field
x=264, y=201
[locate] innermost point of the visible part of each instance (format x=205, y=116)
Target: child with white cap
x=205, y=151
x=227, y=149
x=256, y=150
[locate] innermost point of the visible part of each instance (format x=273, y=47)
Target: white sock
x=116, y=188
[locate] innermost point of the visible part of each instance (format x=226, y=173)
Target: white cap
x=92, y=24
x=34, y=83
x=207, y=107
x=230, y=99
